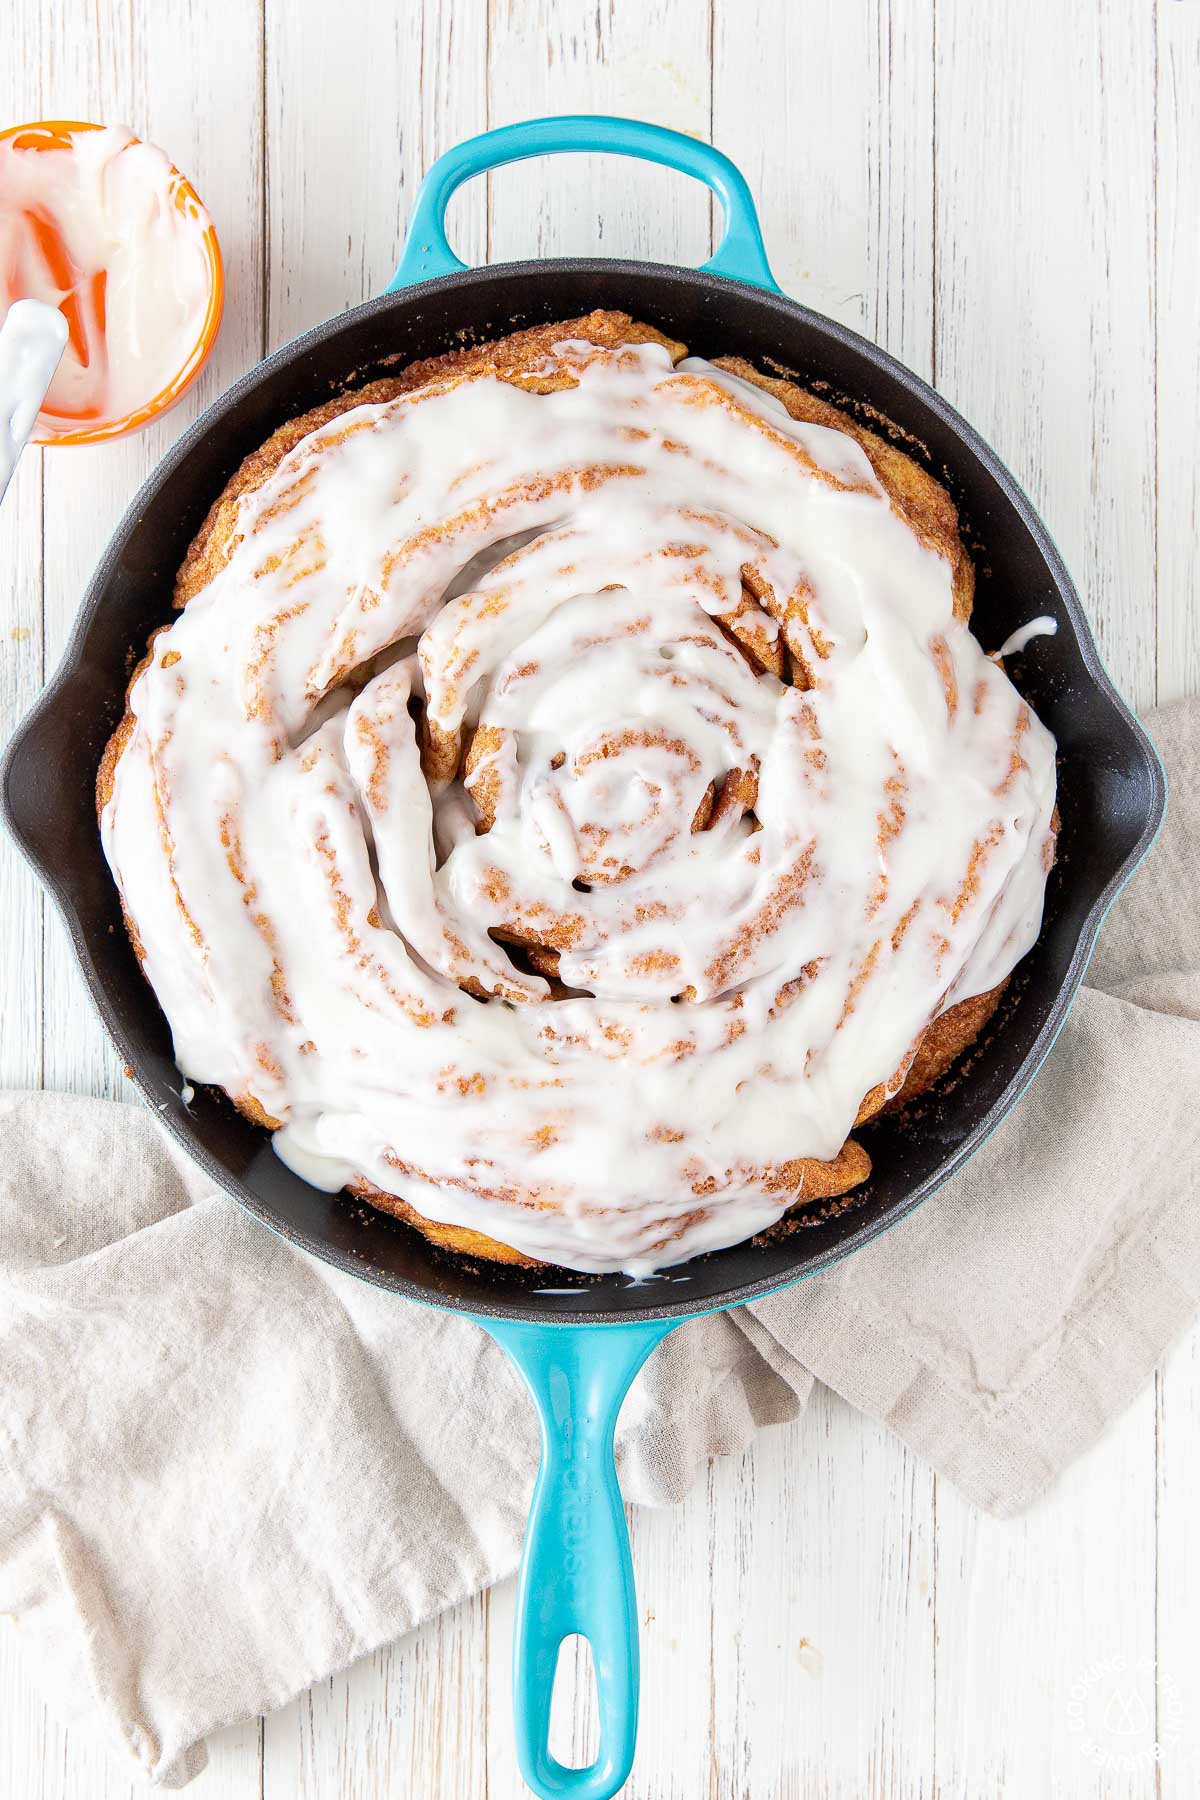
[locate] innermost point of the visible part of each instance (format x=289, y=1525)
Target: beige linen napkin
x=200, y=1424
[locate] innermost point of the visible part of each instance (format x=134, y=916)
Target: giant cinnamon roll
x=571, y=797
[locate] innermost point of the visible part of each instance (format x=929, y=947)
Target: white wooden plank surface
x=1045, y=340
x=21, y=654
x=21, y=659
x=1025, y=1609
x=822, y=1584
x=649, y=58
x=1177, y=316
x=1005, y=197
x=1044, y=234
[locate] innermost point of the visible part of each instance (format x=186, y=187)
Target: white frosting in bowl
x=546, y=571
x=101, y=226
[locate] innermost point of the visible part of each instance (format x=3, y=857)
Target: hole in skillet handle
x=573, y=1709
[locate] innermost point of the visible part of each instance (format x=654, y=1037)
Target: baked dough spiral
x=569, y=794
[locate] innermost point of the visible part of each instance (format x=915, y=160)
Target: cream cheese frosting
x=541, y=576
x=101, y=226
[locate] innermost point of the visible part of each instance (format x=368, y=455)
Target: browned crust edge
x=916, y=495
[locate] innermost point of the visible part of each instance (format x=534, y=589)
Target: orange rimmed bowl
x=62, y=428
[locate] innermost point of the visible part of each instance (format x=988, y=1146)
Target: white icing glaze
x=102, y=227
x=1025, y=634
x=307, y=905
x=31, y=341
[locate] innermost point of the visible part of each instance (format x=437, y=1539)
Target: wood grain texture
x=1044, y=338
x=1177, y=1660
x=22, y=654
x=1043, y=252
x=844, y=181
x=21, y=675
x=412, y=1717
x=1026, y=1608
x=1005, y=198
x=822, y=1598
x=1177, y=320
x=899, y=137
x=333, y=241
x=647, y=58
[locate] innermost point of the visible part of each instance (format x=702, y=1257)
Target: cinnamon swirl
x=570, y=798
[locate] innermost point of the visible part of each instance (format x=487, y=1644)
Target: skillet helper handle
x=427, y=253
x=576, y=1570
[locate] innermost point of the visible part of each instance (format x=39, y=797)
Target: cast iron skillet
x=576, y=1575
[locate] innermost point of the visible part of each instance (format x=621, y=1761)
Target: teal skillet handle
x=427, y=253
x=576, y=1571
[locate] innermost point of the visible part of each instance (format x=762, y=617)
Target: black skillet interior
x=1110, y=781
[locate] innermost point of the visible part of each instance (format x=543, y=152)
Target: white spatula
x=32, y=340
